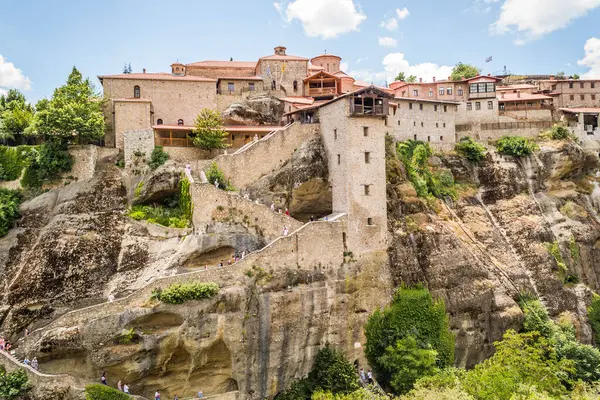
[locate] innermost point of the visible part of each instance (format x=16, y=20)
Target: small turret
x=280, y=50
x=178, y=69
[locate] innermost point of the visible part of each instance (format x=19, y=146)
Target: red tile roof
x=298, y=99
x=516, y=87
x=228, y=128
x=315, y=68
x=241, y=78
x=276, y=57
x=326, y=55
x=157, y=76
x=223, y=64
x=585, y=110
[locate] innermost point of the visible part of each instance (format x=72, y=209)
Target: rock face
x=300, y=185
x=261, y=109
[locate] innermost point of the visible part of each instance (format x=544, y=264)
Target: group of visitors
x=33, y=363
x=120, y=386
x=4, y=345
x=368, y=378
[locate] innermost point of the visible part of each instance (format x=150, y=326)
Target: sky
x=40, y=41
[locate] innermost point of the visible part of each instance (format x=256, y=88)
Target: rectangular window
x=593, y=97
x=231, y=86
x=365, y=131
x=369, y=221
x=469, y=106
x=398, y=122
x=444, y=125
x=414, y=123
x=553, y=87
x=410, y=106
x=367, y=190
x=473, y=88
x=339, y=157
x=445, y=108
x=441, y=91
x=572, y=97
x=251, y=86
x=421, y=106
x=490, y=105
x=449, y=91
x=478, y=105
x=435, y=107
x=414, y=137
x=481, y=87
x=431, y=93
x=415, y=93
x=490, y=87
x=571, y=85
x=583, y=97
x=367, y=157
x=592, y=84
x=460, y=92
x=334, y=134
x=441, y=138
x=582, y=85
x=422, y=124
x=437, y=124
x=429, y=138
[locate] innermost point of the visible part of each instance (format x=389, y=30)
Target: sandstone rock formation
x=261, y=109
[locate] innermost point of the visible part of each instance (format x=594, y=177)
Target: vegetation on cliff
x=331, y=375
x=593, y=312
x=409, y=339
x=9, y=209
x=15, y=114
x=13, y=160
x=13, y=385
x=174, y=211
x=179, y=293
x=97, y=391
x=516, y=146
x=214, y=174
x=470, y=149
x=157, y=158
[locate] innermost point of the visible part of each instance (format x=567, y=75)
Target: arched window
x=273, y=85
x=159, y=121
x=295, y=86
x=136, y=92
x=180, y=122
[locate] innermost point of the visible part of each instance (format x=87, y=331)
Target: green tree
x=411, y=79
x=470, y=149
x=10, y=200
x=575, y=76
x=525, y=359
x=464, y=71
x=14, y=384
x=13, y=95
x=209, y=132
x=593, y=312
x=158, y=157
x=97, y=391
x=407, y=362
x=15, y=114
x=560, y=75
x=400, y=77
x=412, y=313
x=331, y=372
x=73, y=113
x=127, y=68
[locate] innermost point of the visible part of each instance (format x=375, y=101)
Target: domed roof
x=326, y=55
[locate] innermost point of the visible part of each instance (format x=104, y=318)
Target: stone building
x=570, y=93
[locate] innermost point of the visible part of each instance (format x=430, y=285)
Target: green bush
x=14, y=384
x=10, y=200
x=558, y=132
x=52, y=159
x=175, y=213
x=516, y=146
x=98, y=391
x=593, y=312
x=427, y=182
x=470, y=149
x=412, y=313
x=215, y=174
x=554, y=250
x=158, y=157
x=185, y=198
x=178, y=293
x=13, y=160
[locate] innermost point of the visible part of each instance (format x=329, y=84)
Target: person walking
x=287, y=212
x=157, y=395
x=103, y=379
x=26, y=361
x=125, y=388
x=176, y=397
x=34, y=363
x=285, y=231
x=363, y=378
x=273, y=207
x=119, y=386
x=370, y=377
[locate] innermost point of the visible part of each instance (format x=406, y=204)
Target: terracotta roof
x=320, y=103
x=342, y=74
x=223, y=64
x=318, y=73
x=516, y=87
x=585, y=110
x=298, y=99
x=362, y=84
x=315, y=67
x=524, y=97
x=228, y=128
x=157, y=76
x=570, y=80
x=326, y=55
x=241, y=78
x=277, y=57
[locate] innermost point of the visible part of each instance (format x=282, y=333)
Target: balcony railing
x=524, y=107
x=358, y=110
x=321, y=91
x=236, y=92
x=174, y=142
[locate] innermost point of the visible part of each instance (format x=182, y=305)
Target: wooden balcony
x=173, y=142
x=378, y=110
x=524, y=107
x=324, y=91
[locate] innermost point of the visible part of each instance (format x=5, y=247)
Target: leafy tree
x=407, y=362
x=158, y=157
x=9, y=211
x=411, y=79
x=400, y=77
x=412, y=313
x=13, y=95
x=516, y=146
x=593, y=312
x=52, y=159
x=73, y=113
x=470, y=149
x=464, y=71
x=576, y=76
x=215, y=174
x=360, y=394
x=14, y=384
x=15, y=114
x=332, y=372
x=560, y=75
x=209, y=132
x=97, y=391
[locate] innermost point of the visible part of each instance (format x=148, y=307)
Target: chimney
x=518, y=93
x=434, y=79
x=420, y=80
x=489, y=74
x=144, y=70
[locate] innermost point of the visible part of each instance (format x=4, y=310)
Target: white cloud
x=358, y=61
x=536, y=18
x=12, y=77
x=395, y=62
x=344, y=66
x=402, y=13
x=387, y=41
x=324, y=18
x=591, y=59
x=389, y=24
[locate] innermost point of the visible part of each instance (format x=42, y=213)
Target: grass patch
x=179, y=293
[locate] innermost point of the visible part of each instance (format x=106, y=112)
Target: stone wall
x=138, y=142
x=358, y=183
x=485, y=114
x=433, y=123
x=130, y=116
x=264, y=156
x=187, y=154
x=212, y=204
x=294, y=71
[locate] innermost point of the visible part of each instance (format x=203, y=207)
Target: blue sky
x=42, y=40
